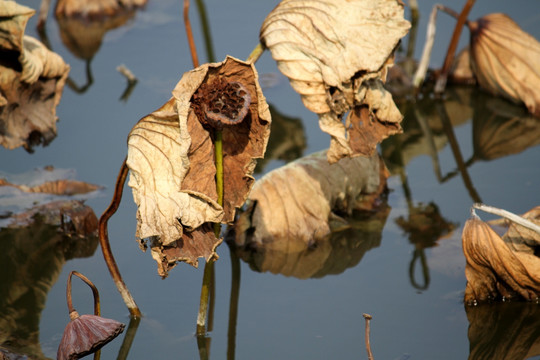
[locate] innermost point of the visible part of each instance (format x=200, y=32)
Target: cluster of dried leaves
x=321, y=46
x=501, y=267
x=31, y=82
x=336, y=55
x=171, y=159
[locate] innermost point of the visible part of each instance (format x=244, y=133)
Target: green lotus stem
x=256, y=53
x=209, y=266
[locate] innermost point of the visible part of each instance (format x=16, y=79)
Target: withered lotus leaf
x=505, y=60
x=301, y=200
x=494, y=269
x=85, y=334
x=336, y=55
x=172, y=165
x=31, y=82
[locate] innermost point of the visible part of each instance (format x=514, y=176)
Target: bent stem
x=440, y=85
x=95, y=292
x=209, y=266
x=106, y=247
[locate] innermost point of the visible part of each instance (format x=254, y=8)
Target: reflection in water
x=32, y=258
x=343, y=249
x=504, y=331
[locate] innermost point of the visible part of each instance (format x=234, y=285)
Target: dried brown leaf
x=14, y=18
x=336, y=55
x=171, y=158
x=493, y=269
x=300, y=200
x=505, y=60
x=31, y=82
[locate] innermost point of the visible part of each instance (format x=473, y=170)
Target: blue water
x=278, y=317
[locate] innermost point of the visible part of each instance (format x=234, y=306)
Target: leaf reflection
x=504, y=331
x=32, y=258
x=309, y=219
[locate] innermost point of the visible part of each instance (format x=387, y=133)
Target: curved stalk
x=106, y=247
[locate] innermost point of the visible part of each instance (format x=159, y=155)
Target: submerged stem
x=106, y=246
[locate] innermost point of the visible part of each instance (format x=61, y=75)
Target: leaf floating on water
x=495, y=268
x=301, y=200
x=57, y=187
x=336, y=55
x=171, y=159
x=300, y=219
x=505, y=60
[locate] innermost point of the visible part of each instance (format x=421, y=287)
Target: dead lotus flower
x=506, y=60
x=504, y=267
x=172, y=165
x=86, y=334
x=336, y=54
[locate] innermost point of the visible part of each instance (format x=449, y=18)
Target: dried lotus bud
x=506, y=60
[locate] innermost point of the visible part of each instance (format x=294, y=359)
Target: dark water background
x=281, y=317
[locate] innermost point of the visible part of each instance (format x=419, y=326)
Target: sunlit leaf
x=505, y=60
x=494, y=269
x=336, y=55
x=31, y=82
x=171, y=159
x=302, y=200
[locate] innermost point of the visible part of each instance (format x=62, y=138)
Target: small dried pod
x=506, y=60
x=221, y=103
x=86, y=334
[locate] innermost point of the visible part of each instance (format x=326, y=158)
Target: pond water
x=412, y=283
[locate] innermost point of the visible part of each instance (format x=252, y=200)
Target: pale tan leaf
x=38, y=61
x=13, y=20
x=505, y=60
x=31, y=82
x=171, y=159
x=299, y=200
x=158, y=163
x=332, y=51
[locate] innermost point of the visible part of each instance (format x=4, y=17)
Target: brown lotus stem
x=189, y=33
x=97, y=308
x=368, y=345
x=106, y=247
x=440, y=85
